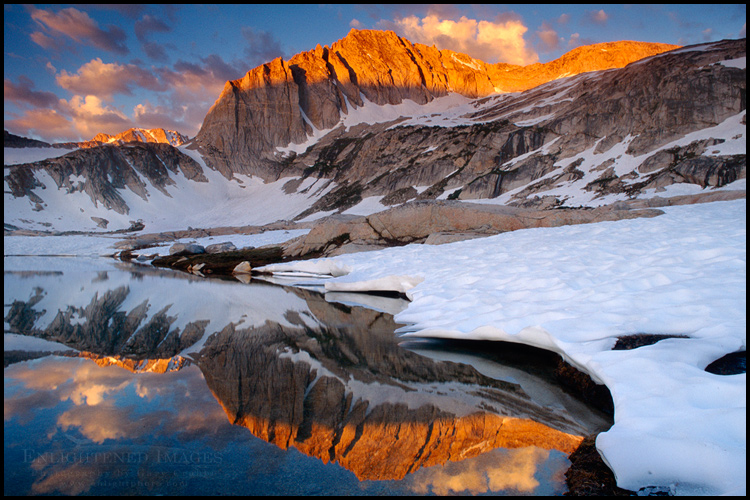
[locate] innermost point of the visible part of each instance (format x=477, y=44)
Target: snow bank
x=574, y=290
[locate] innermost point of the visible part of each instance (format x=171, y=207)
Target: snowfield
x=576, y=289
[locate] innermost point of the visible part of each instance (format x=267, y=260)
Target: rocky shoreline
x=423, y=222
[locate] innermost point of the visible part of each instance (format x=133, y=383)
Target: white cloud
x=498, y=41
x=91, y=116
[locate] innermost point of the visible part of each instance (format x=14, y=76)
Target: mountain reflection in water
x=327, y=379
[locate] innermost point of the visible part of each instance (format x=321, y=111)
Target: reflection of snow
x=574, y=290
x=219, y=302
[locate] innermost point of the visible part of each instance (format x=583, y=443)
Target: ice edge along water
x=574, y=290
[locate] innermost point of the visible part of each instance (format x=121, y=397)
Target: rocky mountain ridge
x=16, y=141
x=151, y=135
x=104, y=173
x=283, y=102
x=617, y=132
x=154, y=135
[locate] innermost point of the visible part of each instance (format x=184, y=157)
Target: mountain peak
x=157, y=135
x=284, y=102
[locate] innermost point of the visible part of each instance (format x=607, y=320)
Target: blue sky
x=72, y=71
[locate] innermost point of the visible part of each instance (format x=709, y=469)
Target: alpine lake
x=126, y=379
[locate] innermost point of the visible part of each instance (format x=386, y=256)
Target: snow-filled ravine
x=575, y=290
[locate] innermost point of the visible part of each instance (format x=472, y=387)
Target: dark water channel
x=133, y=380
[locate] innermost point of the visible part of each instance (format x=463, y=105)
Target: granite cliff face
x=603, y=133
x=283, y=102
x=573, y=141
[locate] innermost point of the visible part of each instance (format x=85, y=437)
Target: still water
x=124, y=379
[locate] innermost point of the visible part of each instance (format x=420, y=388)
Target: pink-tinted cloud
x=91, y=116
x=69, y=120
x=548, y=37
x=78, y=26
x=143, y=28
x=185, y=93
x=49, y=124
x=597, y=16
x=24, y=93
x=42, y=40
x=149, y=24
x=106, y=79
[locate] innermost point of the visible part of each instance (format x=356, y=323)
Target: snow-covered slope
x=182, y=202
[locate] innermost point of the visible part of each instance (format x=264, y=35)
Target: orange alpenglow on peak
x=283, y=102
x=155, y=135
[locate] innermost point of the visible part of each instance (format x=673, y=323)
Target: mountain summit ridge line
x=279, y=102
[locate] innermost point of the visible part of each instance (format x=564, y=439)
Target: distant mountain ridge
x=154, y=135
x=16, y=141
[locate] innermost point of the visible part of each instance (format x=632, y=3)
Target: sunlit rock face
x=621, y=132
x=328, y=379
x=156, y=135
x=279, y=102
x=139, y=365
